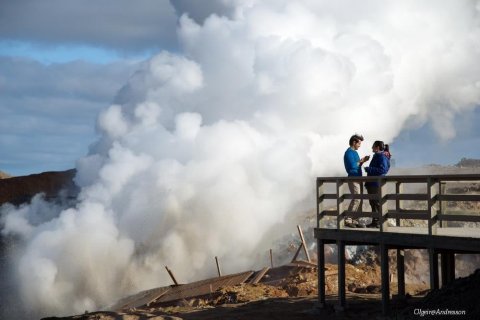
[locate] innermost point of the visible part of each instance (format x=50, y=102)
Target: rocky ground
x=297, y=300
x=295, y=297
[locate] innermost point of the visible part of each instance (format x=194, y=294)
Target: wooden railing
x=429, y=192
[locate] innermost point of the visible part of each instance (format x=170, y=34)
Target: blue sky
x=63, y=61
x=63, y=53
x=422, y=146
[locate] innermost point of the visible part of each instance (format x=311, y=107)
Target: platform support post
x=401, y=272
x=341, y=276
x=321, y=272
x=385, y=278
x=433, y=257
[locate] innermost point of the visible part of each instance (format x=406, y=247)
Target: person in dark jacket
x=353, y=166
x=379, y=166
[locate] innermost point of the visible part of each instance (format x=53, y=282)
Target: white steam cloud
x=207, y=149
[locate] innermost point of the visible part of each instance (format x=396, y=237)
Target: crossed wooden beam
x=303, y=246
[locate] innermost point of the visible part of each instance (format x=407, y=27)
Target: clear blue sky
x=62, y=61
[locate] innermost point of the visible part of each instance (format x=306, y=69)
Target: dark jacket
x=379, y=166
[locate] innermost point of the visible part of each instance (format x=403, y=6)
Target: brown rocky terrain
x=295, y=298
x=283, y=295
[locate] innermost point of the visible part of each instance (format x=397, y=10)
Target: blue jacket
x=351, y=160
x=379, y=166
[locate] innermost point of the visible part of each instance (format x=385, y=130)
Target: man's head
x=356, y=141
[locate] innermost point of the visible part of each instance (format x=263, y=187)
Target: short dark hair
x=379, y=144
x=355, y=138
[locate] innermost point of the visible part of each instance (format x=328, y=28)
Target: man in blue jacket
x=379, y=166
x=353, y=166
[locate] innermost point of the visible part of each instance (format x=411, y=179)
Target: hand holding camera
x=364, y=159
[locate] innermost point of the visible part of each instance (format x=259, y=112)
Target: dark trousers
x=374, y=204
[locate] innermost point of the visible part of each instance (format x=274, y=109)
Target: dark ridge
x=18, y=190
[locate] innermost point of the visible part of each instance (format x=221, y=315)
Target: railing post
x=320, y=207
x=383, y=205
x=362, y=191
x=340, y=204
x=432, y=201
x=441, y=190
x=398, y=202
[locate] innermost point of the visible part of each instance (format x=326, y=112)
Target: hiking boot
x=352, y=223
x=361, y=224
x=374, y=224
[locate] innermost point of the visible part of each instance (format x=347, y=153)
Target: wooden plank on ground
x=303, y=242
x=140, y=299
x=203, y=287
x=259, y=275
x=302, y=263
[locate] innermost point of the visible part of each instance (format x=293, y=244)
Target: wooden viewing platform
x=414, y=214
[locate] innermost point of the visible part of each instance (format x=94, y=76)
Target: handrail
x=431, y=198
